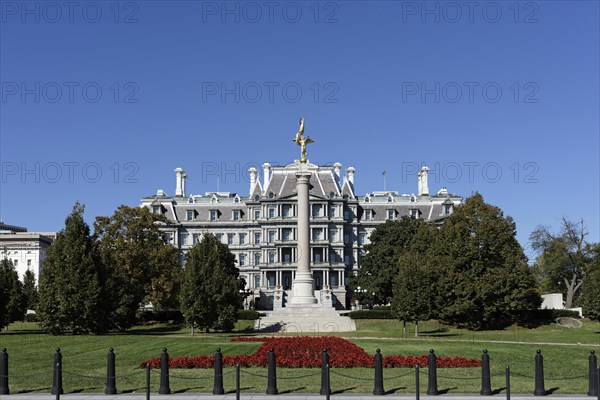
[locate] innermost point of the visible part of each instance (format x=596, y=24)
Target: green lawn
x=84, y=358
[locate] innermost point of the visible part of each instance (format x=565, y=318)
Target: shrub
x=248, y=314
x=371, y=314
x=146, y=316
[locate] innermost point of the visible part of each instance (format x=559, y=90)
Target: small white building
x=26, y=250
x=554, y=301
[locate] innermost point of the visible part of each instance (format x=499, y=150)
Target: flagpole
x=384, y=182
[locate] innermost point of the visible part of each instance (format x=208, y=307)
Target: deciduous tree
x=484, y=278
x=563, y=259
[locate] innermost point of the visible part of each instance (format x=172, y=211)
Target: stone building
x=260, y=227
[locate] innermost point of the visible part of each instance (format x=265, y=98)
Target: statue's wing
x=309, y=140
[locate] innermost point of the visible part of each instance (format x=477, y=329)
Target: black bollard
x=57, y=387
x=593, y=386
x=4, y=372
x=325, y=387
x=418, y=383
x=237, y=381
x=111, y=379
x=378, y=386
x=147, y=381
x=486, y=384
x=272, y=374
x=539, y=375
x=507, y=382
x=164, y=387
x=218, y=384
x=432, y=389
x=328, y=395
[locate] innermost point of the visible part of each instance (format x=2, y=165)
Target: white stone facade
x=261, y=227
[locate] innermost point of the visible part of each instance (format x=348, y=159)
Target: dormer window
x=235, y=215
x=413, y=199
x=390, y=199
x=256, y=198
x=189, y=215
x=214, y=215
x=367, y=199
x=191, y=199
x=368, y=215
x=156, y=209
x=236, y=199
x=213, y=200
x=447, y=209
x=391, y=215
x=271, y=195
x=414, y=213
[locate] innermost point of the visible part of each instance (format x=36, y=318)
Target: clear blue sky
x=496, y=97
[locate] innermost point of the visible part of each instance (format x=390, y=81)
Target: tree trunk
x=403, y=328
x=416, y=328
x=572, y=288
x=192, y=329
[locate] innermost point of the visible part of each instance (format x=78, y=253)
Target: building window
x=29, y=263
x=230, y=238
x=256, y=237
x=347, y=260
x=447, y=209
x=169, y=237
x=347, y=239
x=389, y=199
x=391, y=214
x=286, y=211
x=235, y=215
x=156, y=210
x=332, y=212
x=236, y=199
x=347, y=215
x=242, y=259
x=271, y=195
x=214, y=215
x=256, y=214
x=195, y=238
x=317, y=234
x=361, y=238
x=16, y=262
x=256, y=258
x=256, y=281
x=287, y=255
x=286, y=234
x=367, y=199
x=183, y=239
x=271, y=212
x=219, y=237
x=242, y=238
x=368, y=215
x=272, y=236
x=317, y=210
x=414, y=213
x=333, y=235
x=189, y=215
x=413, y=199
x=271, y=257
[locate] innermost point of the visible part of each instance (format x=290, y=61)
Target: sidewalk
x=255, y=396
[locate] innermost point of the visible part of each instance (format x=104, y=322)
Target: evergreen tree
x=30, y=290
x=140, y=266
x=12, y=301
x=591, y=287
x=210, y=289
x=380, y=264
x=484, y=278
x=71, y=285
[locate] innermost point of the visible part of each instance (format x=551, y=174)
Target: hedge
x=248, y=314
x=371, y=314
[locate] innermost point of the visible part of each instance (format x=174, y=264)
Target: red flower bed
x=306, y=352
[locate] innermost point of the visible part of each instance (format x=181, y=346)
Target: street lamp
x=361, y=293
x=244, y=293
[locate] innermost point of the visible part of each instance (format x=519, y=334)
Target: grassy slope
x=84, y=358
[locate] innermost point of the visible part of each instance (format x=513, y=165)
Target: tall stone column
x=302, y=289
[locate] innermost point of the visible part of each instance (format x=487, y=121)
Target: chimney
x=422, y=181
x=336, y=169
x=180, y=182
x=252, y=172
x=266, y=174
x=350, y=173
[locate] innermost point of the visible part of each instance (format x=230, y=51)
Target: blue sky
x=101, y=101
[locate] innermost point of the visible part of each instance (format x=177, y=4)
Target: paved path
x=206, y=396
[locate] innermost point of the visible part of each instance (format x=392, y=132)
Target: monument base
x=302, y=290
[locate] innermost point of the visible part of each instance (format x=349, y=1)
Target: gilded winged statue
x=302, y=141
